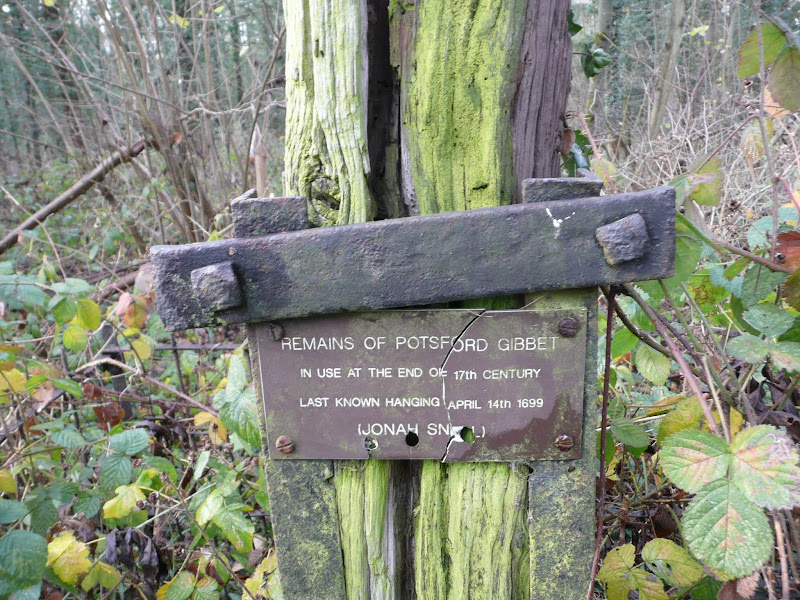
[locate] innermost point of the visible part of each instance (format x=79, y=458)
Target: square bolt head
x=216, y=287
x=624, y=240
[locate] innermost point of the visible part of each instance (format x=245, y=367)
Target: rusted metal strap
x=524, y=248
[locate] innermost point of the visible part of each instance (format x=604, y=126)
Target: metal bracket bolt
x=217, y=287
x=624, y=240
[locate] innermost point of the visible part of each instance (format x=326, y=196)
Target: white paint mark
x=557, y=222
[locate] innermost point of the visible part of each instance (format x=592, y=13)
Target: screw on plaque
x=276, y=331
x=568, y=327
x=564, y=442
x=285, y=444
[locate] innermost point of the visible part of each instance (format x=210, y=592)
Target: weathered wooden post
x=412, y=109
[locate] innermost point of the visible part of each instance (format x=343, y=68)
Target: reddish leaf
x=789, y=246
x=108, y=415
x=92, y=392
x=125, y=300
x=135, y=315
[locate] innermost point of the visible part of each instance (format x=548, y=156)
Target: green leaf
x=71, y=285
x=206, y=589
x=624, y=341
x=75, y=338
x=671, y=563
x=726, y=531
x=572, y=26
x=692, y=459
x=749, y=348
x=181, y=587
x=707, y=589
x=89, y=315
x=237, y=376
x=765, y=467
x=22, y=561
x=615, y=573
x=43, y=513
x=784, y=79
x=629, y=433
x=73, y=388
x=102, y=573
x=63, y=309
x=652, y=365
x=749, y=57
x=786, y=355
x=769, y=319
x=241, y=416
x=759, y=282
x=707, y=183
x=791, y=290
x=236, y=528
x=116, y=470
x=11, y=511
x=69, y=437
x=89, y=506
x=620, y=577
x=130, y=441
x=688, y=250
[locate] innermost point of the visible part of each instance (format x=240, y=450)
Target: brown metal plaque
x=454, y=385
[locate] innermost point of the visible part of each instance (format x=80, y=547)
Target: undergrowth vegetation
x=129, y=456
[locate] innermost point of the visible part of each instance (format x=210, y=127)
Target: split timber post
x=399, y=109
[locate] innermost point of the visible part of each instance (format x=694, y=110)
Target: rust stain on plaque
x=454, y=385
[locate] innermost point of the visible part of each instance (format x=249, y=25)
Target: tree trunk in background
x=402, y=108
x=666, y=73
x=597, y=87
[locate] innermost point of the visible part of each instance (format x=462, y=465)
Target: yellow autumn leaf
x=11, y=381
x=604, y=169
x=7, y=482
x=142, y=349
x=123, y=503
x=68, y=557
x=259, y=583
x=217, y=432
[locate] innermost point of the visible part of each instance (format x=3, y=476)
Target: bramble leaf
x=726, y=531
x=707, y=183
x=89, y=315
x=7, y=482
x=692, y=459
x=116, y=470
x=749, y=57
x=102, y=573
x=784, y=79
x=765, y=467
x=123, y=503
x=68, y=557
x=652, y=365
x=629, y=433
x=23, y=556
x=769, y=319
x=75, y=338
x=671, y=563
x=130, y=441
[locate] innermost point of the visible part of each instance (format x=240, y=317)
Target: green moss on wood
x=326, y=155
x=458, y=112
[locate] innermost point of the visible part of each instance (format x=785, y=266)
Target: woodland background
x=129, y=460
